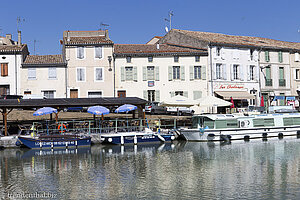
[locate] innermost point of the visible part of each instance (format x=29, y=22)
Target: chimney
x=106, y=34
x=19, y=37
x=157, y=46
x=8, y=36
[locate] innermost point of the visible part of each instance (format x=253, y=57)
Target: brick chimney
x=19, y=37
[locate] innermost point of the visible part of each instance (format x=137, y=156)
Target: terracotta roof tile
x=87, y=40
x=152, y=49
x=240, y=40
x=43, y=59
x=12, y=48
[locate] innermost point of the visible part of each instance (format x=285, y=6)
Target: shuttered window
x=98, y=52
x=197, y=72
x=4, y=69
x=98, y=74
x=176, y=72
x=267, y=56
x=128, y=73
x=52, y=73
x=150, y=73
x=31, y=73
x=280, y=59
x=80, y=52
x=97, y=94
x=80, y=74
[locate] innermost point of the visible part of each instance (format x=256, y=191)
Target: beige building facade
x=89, y=64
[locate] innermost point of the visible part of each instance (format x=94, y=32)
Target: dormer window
x=128, y=59
x=176, y=59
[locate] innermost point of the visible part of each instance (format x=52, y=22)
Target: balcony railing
x=268, y=82
x=281, y=82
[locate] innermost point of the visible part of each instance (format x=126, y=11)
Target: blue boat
x=54, y=141
x=147, y=136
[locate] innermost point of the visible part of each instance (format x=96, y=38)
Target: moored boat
x=226, y=127
x=54, y=141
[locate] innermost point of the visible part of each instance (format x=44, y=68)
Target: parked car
x=154, y=108
x=180, y=111
x=7, y=96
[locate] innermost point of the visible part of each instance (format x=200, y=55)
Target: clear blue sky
x=137, y=21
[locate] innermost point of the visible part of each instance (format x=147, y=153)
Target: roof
x=87, y=40
x=219, y=38
x=43, y=59
x=69, y=102
x=141, y=49
x=13, y=48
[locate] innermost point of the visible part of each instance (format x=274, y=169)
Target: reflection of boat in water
x=134, y=149
x=54, y=141
x=136, y=137
x=226, y=127
x=50, y=152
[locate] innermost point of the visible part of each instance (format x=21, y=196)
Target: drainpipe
x=16, y=74
x=211, y=72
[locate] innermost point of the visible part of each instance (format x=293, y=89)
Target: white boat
x=226, y=127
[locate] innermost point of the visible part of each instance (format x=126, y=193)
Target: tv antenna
x=19, y=20
x=169, y=20
x=103, y=26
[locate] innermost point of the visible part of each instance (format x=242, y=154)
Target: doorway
x=121, y=93
x=73, y=93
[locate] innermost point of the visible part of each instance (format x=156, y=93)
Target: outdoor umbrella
x=125, y=108
x=44, y=111
x=98, y=110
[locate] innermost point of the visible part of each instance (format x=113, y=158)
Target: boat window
x=208, y=122
x=263, y=122
x=196, y=121
x=221, y=124
x=290, y=121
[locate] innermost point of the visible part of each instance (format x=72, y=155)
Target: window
x=80, y=52
x=151, y=95
x=176, y=72
x=150, y=73
x=252, y=101
x=176, y=59
x=179, y=93
x=98, y=74
x=31, y=73
x=52, y=73
x=268, y=76
x=235, y=72
x=281, y=77
x=150, y=59
x=27, y=92
x=49, y=94
x=98, y=52
x=218, y=71
x=267, y=56
x=4, y=69
x=280, y=59
x=251, y=71
x=80, y=74
x=197, y=72
x=218, y=51
x=97, y=94
x=128, y=59
x=129, y=73
x=251, y=54
x=297, y=74
x=197, y=58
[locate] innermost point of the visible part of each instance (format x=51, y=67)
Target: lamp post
x=109, y=62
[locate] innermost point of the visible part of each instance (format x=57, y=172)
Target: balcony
x=268, y=82
x=282, y=82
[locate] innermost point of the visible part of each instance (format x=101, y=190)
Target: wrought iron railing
x=268, y=82
x=281, y=82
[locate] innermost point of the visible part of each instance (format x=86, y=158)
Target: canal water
x=182, y=170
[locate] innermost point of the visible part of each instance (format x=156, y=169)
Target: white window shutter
x=241, y=68
x=197, y=94
x=170, y=73
x=185, y=94
x=296, y=57
x=294, y=71
x=248, y=72
x=231, y=72
x=157, y=95
x=156, y=69
x=172, y=94
x=203, y=72
x=224, y=70
x=144, y=73
x=145, y=94
x=122, y=73
x=134, y=73
x=255, y=55
x=214, y=72
x=182, y=73
x=249, y=54
x=191, y=73
x=223, y=54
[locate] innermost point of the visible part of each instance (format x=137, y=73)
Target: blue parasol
x=44, y=111
x=98, y=110
x=125, y=108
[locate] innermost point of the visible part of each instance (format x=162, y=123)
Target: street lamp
x=109, y=61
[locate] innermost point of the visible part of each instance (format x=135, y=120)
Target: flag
x=232, y=106
x=262, y=102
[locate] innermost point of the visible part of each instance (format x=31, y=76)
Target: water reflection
x=237, y=170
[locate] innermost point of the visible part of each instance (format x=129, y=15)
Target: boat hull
x=238, y=134
x=35, y=143
x=121, y=139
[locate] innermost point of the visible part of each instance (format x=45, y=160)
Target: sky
x=137, y=21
